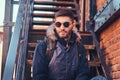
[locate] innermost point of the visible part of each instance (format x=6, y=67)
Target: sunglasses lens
x=66, y=24
x=57, y=24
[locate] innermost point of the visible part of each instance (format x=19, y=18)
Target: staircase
x=42, y=16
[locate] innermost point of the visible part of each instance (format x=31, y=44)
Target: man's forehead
x=63, y=18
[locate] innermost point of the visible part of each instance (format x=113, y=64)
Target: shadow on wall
x=106, y=58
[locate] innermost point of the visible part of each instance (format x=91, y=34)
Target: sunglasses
x=65, y=24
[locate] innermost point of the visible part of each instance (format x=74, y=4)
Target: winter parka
x=66, y=62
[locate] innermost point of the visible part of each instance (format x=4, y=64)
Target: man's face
x=63, y=26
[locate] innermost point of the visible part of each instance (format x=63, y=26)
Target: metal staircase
x=43, y=15
x=34, y=25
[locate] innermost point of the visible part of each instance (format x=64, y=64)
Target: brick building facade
x=109, y=36
x=110, y=44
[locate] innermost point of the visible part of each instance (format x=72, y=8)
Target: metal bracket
x=108, y=11
x=8, y=24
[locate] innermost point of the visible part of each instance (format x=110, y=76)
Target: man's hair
x=67, y=13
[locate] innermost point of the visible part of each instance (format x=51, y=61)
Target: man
x=62, y=61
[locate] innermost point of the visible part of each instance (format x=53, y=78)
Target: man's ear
x=74, y=23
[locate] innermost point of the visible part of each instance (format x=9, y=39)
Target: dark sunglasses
x=65, y=24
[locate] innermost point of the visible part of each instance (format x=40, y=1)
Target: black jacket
x=66, y=63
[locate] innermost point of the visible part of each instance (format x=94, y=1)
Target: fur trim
x=50, y=32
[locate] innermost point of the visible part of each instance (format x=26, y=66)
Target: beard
x=64, y=34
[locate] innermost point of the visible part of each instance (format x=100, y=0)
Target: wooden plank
x=91, y=63
x=94, y=63
x=35, y=22
x=45, y=15
x=52, y=8
x=86, y=46
x=85, y=33
x=39, y=22
x=44, y=32
x=55, y=3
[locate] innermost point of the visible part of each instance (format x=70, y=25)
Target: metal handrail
x=90, y=26
x=18, y=43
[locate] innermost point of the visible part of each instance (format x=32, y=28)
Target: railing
x=90, y=27
x=15, y=61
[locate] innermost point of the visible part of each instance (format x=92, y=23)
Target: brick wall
x=100, y=4
x=110, y=44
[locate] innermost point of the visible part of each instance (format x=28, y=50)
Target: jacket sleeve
x=83, y=68
x=40, y=68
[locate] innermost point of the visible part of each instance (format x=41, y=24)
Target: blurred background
x=2, y=8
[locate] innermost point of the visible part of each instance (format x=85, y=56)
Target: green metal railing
x=16, y=57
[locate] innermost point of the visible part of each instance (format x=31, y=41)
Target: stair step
x=35, y=22
x=52, y=8
x=41, y=28
x=45, y=15
x=35, y=35
x=44, y=32
x=94, y=63
x=55, y=3
x=85, y=33
x=29, y=61
x=35, y=38
x=36, y=31
x=91, y=63
x=31, y=51
x=33, y=45
x=89, y=47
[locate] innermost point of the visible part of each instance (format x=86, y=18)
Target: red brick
x=115, y=47
x=115, y=68
x=100, y=3
x=116, y=75
x=110, y=44
x=115, y=60
x=114, y=54
x=106, y=34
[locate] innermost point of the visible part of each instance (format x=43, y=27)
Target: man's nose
x=62, y=26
